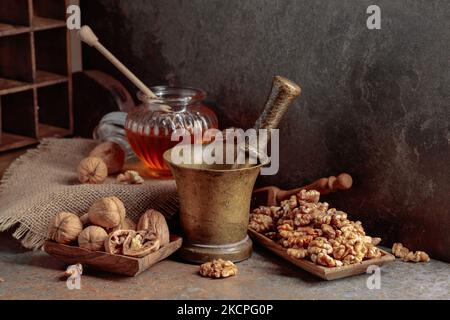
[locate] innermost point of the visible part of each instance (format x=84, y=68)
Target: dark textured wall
x=374, y=104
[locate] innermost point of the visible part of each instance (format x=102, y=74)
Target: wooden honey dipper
x=88, y=36
x=272, y=195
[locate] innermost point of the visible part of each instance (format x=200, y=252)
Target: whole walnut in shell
x=127, y=224
x=112, y=154
x=92, y=170
x=154, y=221
x=107, y=212
x=92, y=238
x=64, y=227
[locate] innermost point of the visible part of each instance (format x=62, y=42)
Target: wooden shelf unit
x=35, y=72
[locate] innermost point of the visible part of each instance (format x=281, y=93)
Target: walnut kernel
x=218, y=269
x=130, y=177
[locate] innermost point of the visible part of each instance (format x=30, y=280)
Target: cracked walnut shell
x=141, y=243
x=107, y=212
x=92, y=238
x=92, y=170
x=218, y=269
x=64, y=228
x=114, y=242
x=155, y=222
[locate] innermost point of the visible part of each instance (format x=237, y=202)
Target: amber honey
x=149, y=130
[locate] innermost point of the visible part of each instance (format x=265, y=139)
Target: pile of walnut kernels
x=310, y=229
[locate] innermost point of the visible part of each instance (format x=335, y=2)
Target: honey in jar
x=149, y=129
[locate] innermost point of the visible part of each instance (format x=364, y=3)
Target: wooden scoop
x=271, y=196
x=88, y=36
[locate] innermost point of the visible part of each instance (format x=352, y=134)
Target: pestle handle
x=88, y=36
x=283, y=93
x=281, y=96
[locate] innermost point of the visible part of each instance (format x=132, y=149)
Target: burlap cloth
x=43, y=182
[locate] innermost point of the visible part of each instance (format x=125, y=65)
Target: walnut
x=64, y=228
x=107, y=212
x=289, y=204
x=92, y=170
x=112, y=154
x=402, y=252
x=372, y=251
x=141, y=243
x=155, y=222
x=116, y=239
x=320, y=244
x=92, y=238
x=218, y=269
x=274, y=212
x=261, y=223
x=301, y=219
x=328, y=231
x=130, y=177
x=418, y=256
x=339, y=219
x=339, y=251
x=85, y=219
x=399, y=250
x=311, y=196
x=310, y=231
x=324, y=259
x=296, y=240
x=298, y=253
x=127, y=224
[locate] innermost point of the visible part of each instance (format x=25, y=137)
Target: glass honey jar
x=149, y=128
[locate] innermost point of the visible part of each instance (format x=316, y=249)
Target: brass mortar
x=214, y=210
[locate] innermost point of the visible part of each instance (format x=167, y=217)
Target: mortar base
x=236, y=252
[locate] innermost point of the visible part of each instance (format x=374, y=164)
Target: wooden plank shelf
x=35, y=72
x=45, y=78
x=46, y=131
x=7, y=29
x=8, y=86
x=41, y=23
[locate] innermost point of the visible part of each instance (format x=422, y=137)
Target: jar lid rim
x=186, y=94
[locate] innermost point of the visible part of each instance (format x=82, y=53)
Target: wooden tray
x=320, y=271
x=113, y=263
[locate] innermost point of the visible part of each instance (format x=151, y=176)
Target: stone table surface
x=36, y=275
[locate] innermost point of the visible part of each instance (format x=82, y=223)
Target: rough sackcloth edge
x=43, y=182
